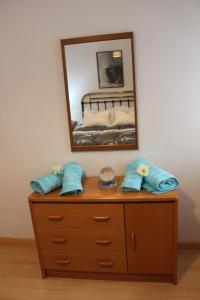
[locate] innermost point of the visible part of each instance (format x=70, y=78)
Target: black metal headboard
x=107, y=100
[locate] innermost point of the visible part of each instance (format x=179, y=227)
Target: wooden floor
x=20, y=279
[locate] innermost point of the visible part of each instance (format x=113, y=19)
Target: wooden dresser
x=106, y=234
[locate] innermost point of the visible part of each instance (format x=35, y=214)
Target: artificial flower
x=57, y=169
x=143, y=170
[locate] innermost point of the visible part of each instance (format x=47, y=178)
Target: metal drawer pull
x=103, y=242
x=55, y=218
x=101, y=218
x=133, y=243
x=63, y=261
x=59, y=240
x=106, y=264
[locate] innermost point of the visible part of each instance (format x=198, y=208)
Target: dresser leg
x=174, y=279
x=43, y=273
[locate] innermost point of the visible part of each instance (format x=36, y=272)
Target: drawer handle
x=101, y=218
x=59, y=240
x=103, y=242
x=133, y=243
x=55, y=218
x=63, y=261
x=105, y=264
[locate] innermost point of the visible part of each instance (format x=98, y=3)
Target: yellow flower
x=57, y=169
x=143, y=170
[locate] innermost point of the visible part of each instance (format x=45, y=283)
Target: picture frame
x=110, y=69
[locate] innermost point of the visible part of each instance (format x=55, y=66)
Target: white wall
x=33, y=117
x=82, y=74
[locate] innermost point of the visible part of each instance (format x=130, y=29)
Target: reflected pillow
x=124, y=108
x=100, y=118
x=123, y=118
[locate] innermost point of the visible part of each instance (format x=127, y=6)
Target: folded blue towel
x=46, y=183
x=157, y=181
x=132, y=180
x=73, y=174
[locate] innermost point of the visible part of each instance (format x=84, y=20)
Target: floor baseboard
x=189, y=245
x=31, y=242
x=17, y=241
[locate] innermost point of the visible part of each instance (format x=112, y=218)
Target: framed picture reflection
x=110, y=69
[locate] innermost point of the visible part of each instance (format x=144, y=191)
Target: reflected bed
x=108, y=119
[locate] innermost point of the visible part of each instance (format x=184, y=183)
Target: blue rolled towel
x=159, y=180
x=73, y=174
x=156, y=180
x=132, y=180
x=47, y=183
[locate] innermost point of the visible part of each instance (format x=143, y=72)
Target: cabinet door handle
x=59, y=240
x=105, y=264
x=133, y=244
x=63, y=261
x=55, y=218
x=103, y=242
x=101, y=218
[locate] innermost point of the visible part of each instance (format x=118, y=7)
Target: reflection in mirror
x=100, y=92
x=110, y=69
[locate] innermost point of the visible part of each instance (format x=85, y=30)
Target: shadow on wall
x=190, y=226
x=188, y=232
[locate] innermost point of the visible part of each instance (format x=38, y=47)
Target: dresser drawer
x=88, y=261
x=81, y=239
x=79, y=215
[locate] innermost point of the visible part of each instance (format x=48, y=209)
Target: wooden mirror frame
x=90, y=39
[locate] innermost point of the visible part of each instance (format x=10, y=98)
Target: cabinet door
x=149, y=233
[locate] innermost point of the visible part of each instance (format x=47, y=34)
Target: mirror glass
x=100, y=92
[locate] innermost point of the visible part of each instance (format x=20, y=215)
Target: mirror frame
x=91, y=39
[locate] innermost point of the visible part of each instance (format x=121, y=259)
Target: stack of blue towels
x=139, y=174
x=69, y=178
x=153, y=179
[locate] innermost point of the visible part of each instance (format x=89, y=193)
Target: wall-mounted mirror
x=100, y=92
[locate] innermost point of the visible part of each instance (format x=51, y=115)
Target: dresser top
x=93, y=194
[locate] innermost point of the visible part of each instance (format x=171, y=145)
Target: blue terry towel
x=73, y=174
x=47, y=183
x=158, y=180
x=132, y=180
